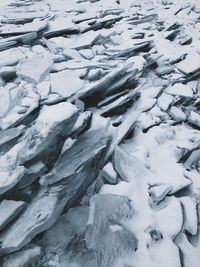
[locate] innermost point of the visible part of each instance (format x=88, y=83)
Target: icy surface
x=99, y=133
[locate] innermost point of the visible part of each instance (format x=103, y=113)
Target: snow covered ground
x=100, y=133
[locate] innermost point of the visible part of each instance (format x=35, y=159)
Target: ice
x=4, y=101
x=65, y=83
x=9, y=209
x=190, y=215
x=35, y=26
x=190, y=253
x=34, y=69
x=161, y=151
x=85, y=40
x=53, y=115
x=109, y=173
x=99, y=133
x=190, y=64
x=180, y=89
x=177, y=114
x=44, y=89
x=59, y=26
x=164, y=101
x=194, y=118
x=113, y=241
x=11, y=56
x=22, y=258
x=66, y=228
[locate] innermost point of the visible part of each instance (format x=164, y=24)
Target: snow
x=164, y=101
x=4, y=101
x=11, y=56
x=180, y=89
x=35, y=26
x=51, y=115
x=34, y=69
x=85, y=40
x=68, y=64
x=191, y=217
x=65, y=83
x=190, y=64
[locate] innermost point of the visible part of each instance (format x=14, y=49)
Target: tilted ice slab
x=51, y=122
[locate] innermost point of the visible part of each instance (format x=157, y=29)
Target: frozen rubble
x=34, y=69
x=99, y=133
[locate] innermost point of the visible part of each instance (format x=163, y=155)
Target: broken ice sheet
x=35, y=141
x=85, y=40
x=60, y=25
x=117, y=48
x=12, y=56
x=190, y=64
x=35, y=26
x=66, y=228
x=170, y=51
x=34, y=69
x=4, y=101
x=86, y=148
x=190, y=215
x=180, y=90
x=194, y=118
x=9, y=209
x=65, y=83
